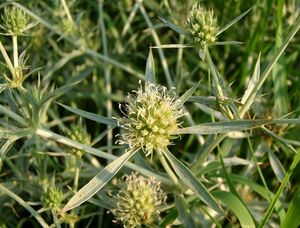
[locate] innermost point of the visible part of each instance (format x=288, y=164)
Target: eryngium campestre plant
x=138, y=201
x=202, y=26
x=151, y=119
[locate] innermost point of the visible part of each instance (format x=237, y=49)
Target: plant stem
x=167, y=168
x=107, y=76
x=257, y=167
x=279, y=191
x=15, y=51
x=67, y=11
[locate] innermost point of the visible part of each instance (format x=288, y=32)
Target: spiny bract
x=152, y=118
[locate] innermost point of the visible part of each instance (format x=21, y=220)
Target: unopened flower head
x=152, y=118
x=15, y=21
x=52, y=198
x=202, y=26
x=79, y=133
x=138, y=201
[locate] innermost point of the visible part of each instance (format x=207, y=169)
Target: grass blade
x=293, y=212
x=237, y=207
x=276, y=165
x=233, y=22
x=174, y=27
x=99, y=181
x=188, y=178
x=221, y=127
x=265, y=74
x=24, y=204
x=91, y=116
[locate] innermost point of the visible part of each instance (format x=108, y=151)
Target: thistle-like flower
x=138, y=201
x=15, y=21
x=52, y=198
x=202, y=26
x=151, y=119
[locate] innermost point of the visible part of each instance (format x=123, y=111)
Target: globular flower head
x=202, y=26
x=15, y=21
x=151, y=119
x=79, y=133
x=138, y=201
x=52, y=198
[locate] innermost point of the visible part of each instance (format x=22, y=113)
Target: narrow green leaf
x=233, y=22
x=184, y=97
x=174, y=27
x=150, y=69
x=262, y=192
x=276, y=165
x=188, y=178
x=58, y=92
x=221, y=127
x=237, y=207
x=269, y=67
x=5, y=148
x=292, y=216
x=174, y=46
x=91, y=116
x=34, y=213
x=232, y=42
x=184, y=212
x=98, y=182
x=252, y=83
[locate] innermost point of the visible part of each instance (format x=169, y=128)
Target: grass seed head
x=151, y=119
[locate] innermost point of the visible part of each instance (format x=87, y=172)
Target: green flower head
x=151, y=119
x=202, y=26
x=78, y=132
x=52, y=198
x=15, y=21
x=138, y=201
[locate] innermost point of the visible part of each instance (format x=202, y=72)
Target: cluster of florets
x=202, y=26
x=138, y=201
x=152, y=117
x=52, y=198
x=79, y=133
x=15, y=21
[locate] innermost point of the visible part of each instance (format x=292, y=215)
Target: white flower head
x=152, y=118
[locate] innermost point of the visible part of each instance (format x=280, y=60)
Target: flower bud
x=138, y=201
x=202, y=26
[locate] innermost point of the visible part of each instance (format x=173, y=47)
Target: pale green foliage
x=202, y=26
x=152, y=118
x=138, y=201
